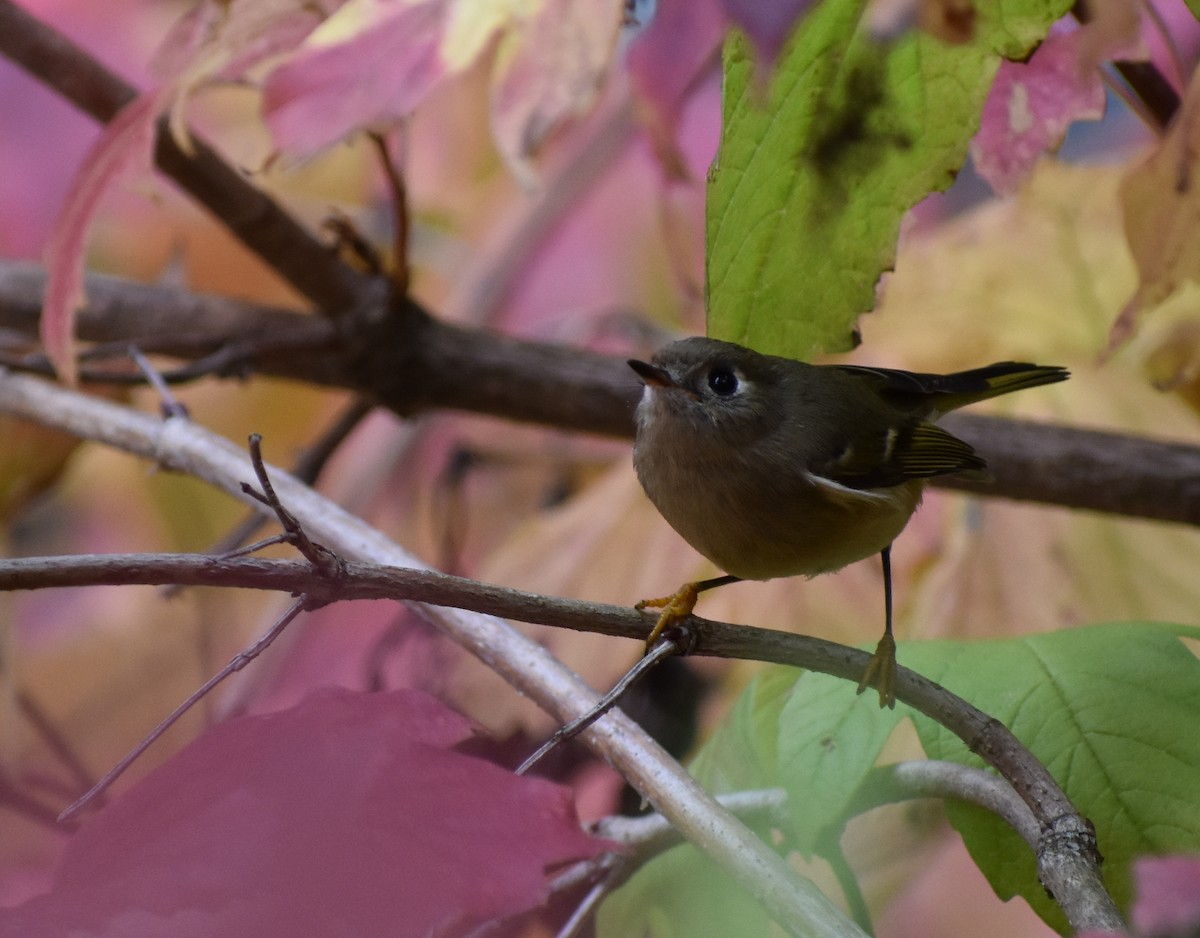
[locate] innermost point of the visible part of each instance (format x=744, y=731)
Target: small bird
x=771, y=467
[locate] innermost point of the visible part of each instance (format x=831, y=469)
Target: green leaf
x=1111, y=710
x=742, y=754
x=829, y=739
x=805, y=732
x=681, y=894
x=816, y=171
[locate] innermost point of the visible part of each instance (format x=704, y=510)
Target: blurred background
x=606, y=252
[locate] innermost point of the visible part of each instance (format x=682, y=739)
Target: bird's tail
x=966, y=387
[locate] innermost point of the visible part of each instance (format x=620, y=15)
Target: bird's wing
x=913, y=450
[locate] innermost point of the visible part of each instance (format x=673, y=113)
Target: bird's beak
x=653, y=376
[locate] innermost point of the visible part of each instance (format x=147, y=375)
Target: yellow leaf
x=549, y=68
x=1161, y=199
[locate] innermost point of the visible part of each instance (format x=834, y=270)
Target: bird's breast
x=759, y=522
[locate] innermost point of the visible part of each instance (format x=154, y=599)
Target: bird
x=772, y=467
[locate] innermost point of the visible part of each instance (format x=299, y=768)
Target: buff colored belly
x=759, y=537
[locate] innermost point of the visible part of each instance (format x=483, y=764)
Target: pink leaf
x=1030, y=107
x=219, y=40
x=1168, y=895
x=125, y=146
x=664, y=62
x=380, y=74
x=348, y=814
x=1160, y=199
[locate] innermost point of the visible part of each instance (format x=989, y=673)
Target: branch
x=1068, y=843
x=1063, y=841
x=180, y=445
x=417, y=364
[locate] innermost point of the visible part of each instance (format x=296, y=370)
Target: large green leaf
x=816, y=170
x=1111, y=710
x=743, y=753
x=829, y=739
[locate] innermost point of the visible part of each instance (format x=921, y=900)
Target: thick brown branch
x=413, y=364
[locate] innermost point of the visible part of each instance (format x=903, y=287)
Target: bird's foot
x=881, y=672
x=678, y=605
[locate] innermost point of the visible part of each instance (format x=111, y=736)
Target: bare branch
x=662, y=650
x=795, y=903
x=932, y=778
x=1064, y=842
x=239, y=661
x=436, y=365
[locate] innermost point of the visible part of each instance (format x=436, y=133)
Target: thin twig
x=400, y=218
x=587, y=906
x=169, y=405
x=321, y=557
x=666, y=647
x=307, y=468
x=239, y=661
x=248, y=549
x=794, y=902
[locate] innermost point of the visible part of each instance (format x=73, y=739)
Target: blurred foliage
x=612, y=258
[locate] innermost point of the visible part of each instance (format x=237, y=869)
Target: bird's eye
x=722, y=381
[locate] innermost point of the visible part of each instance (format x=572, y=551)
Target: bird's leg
x=679, y=605
x=881, y=669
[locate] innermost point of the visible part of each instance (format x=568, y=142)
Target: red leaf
x=346, y=815
x=125, y=146
x=664, y=62
x=378, y=75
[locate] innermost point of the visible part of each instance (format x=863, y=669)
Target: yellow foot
x=678, y=605
x=881, y=672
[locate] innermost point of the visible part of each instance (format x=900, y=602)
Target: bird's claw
x=678, y=605
x=881, y=672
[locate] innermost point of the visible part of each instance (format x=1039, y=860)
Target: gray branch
x=179, y=445
x=1031, y=801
